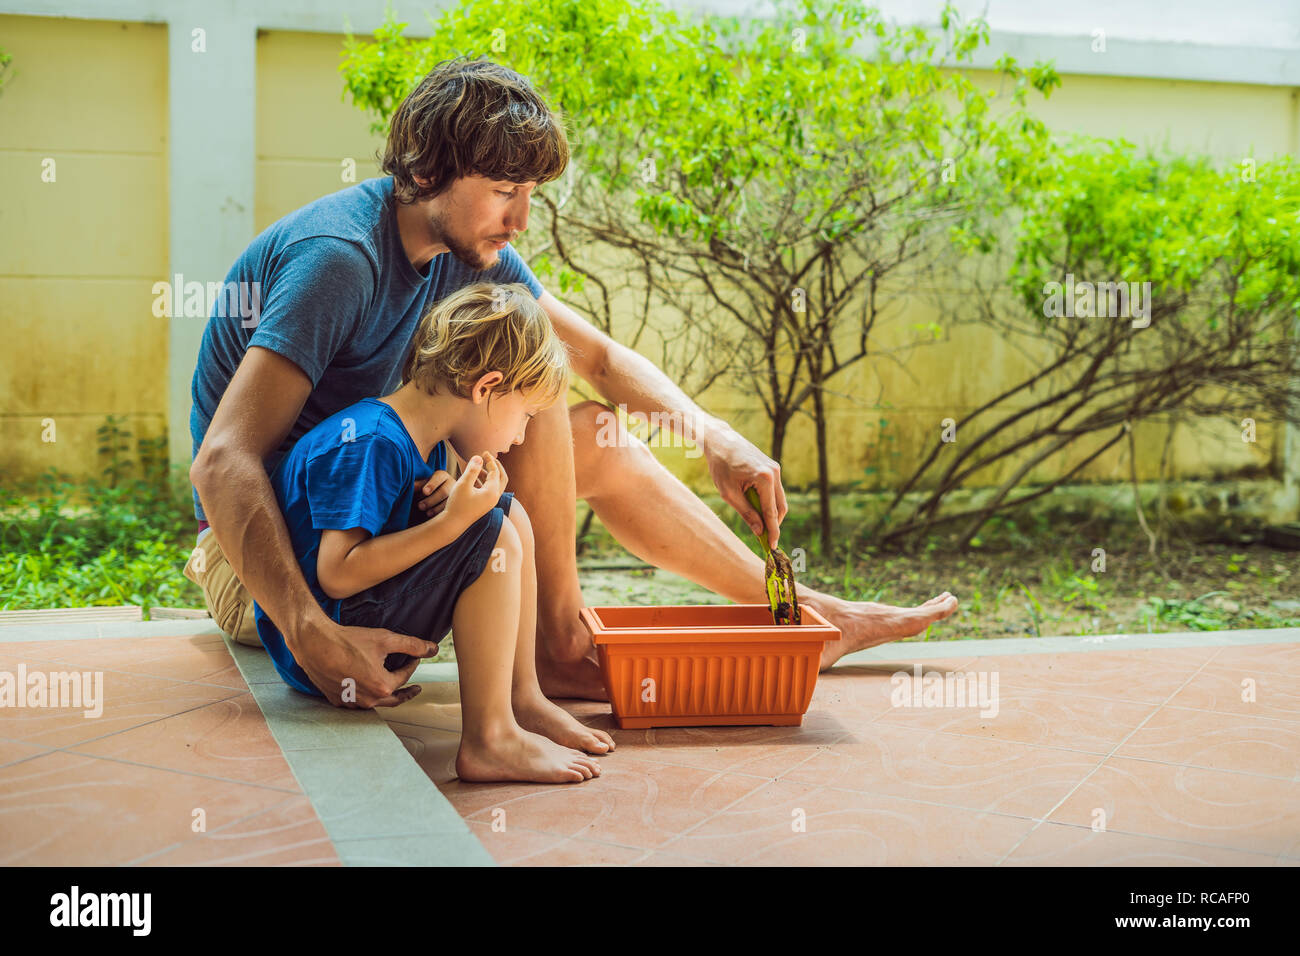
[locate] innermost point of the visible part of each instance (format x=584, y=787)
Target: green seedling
x=778, y=575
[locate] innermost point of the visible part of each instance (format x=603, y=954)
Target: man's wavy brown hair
x=472, y=117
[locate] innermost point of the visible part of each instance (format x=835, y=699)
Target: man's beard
x=470, y=255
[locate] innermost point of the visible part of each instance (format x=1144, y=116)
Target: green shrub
x=68, y=542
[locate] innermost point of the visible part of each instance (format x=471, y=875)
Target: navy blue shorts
x=421, y=600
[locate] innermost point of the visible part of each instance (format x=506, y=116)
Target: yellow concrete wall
x=305, y=130
x=79, y=256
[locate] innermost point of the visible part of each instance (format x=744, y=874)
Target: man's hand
x=345, y=661
x=734, y=465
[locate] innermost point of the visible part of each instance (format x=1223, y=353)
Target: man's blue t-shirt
x=337, y=296
x=356, y=469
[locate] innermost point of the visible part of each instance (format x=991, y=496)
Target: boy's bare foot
x=522, y=756
x=541, y=716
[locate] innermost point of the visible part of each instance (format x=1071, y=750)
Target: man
x=339, y=286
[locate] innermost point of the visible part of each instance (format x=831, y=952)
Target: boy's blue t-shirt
x=356, y=469
x=337, y=296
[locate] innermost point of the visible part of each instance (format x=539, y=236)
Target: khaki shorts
x=230, y=605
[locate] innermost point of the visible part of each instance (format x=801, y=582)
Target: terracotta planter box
x=707, y=665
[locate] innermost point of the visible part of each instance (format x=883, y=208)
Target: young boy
x=481, y=363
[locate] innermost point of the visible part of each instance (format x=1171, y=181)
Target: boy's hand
x=477, y=491
x=432, y=492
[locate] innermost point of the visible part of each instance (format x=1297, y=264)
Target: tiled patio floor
x=1157, y=740
x=1160, y=744
x=179, y=734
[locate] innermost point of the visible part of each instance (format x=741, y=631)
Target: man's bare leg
x=541, y=472
x=660, y=520
x=655, y=516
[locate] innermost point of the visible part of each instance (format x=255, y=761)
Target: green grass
x=1196, y=615
x=124, y=538
x=76, y=543
x=1034, y=575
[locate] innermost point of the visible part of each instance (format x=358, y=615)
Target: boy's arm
x=350, y=561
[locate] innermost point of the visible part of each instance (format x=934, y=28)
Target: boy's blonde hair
x=488, y=327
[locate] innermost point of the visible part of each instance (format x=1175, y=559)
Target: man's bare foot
x=539, y=715
x=521, y=755
x=865, y=623
x=568, y=667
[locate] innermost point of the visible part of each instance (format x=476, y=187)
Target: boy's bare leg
x=656, y=517
x=492, y=744
x=532, y=709
x=541, y=474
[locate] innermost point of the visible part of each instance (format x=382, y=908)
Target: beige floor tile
x=129, y=700
x=35, y=650
x=668, y=858
x=1143, y=676
x=864, y=691
x=185, y=657
x=1201, y=738
x=884, y=668
x=64, y=809
x=205, y=659
x=1270, y=658
x=1189, y=804
x=289, y=834
x=958, y=771
x=1057, y=845
x=1060, y=720
x=12, y=751
x=228, y=739
x=518, y=846
x=1221, y=689
x=760, y=751
x=844, y=828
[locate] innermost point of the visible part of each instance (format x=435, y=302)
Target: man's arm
x=623, y=376
x=260, y=405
